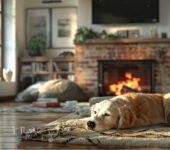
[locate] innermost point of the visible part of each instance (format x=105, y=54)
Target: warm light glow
x=130, y=81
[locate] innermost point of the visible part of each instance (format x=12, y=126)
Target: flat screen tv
x=125, y=11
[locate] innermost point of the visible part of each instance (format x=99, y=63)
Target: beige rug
x=62, y=133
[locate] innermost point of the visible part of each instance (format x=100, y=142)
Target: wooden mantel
x=127, y=41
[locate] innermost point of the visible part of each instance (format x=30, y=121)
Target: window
x=1, y=61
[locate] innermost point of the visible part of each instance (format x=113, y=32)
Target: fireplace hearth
x=123, y=76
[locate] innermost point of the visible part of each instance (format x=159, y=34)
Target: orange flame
x=130, y=81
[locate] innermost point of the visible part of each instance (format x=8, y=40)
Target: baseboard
x=7, y=98
x=7, y=89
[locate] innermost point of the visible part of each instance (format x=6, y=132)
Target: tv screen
x=125, y=11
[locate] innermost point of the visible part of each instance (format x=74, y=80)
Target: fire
x=130, y=81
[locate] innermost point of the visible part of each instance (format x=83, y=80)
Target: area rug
x=63, y=108
x=61, y=133
x=30, y=108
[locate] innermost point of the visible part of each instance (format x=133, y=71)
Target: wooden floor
x=14, y=122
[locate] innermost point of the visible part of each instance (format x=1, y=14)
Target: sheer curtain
x=9, y=47
x=9, y=61
x=1, y=40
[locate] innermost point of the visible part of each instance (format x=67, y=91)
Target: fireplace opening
x=123, y=76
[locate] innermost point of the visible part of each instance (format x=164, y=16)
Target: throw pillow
x=63, y=90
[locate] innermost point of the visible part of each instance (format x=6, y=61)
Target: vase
x=35, y=53
x=7, y=74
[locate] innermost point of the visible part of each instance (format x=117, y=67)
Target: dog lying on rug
x=127, y=111
x=120, y=112
x=130, y=110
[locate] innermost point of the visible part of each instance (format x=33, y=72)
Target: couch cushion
x=62, y=89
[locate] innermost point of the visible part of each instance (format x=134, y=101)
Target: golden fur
x=130, y=110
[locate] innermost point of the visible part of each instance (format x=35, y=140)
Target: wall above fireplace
x=89, y=53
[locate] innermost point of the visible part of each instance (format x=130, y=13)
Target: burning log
x=131, y=83
x=126, y=89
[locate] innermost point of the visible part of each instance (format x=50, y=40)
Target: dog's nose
x=91, y=124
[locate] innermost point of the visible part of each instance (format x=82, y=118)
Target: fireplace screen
x=120, y=77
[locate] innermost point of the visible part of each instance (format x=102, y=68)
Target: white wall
x=162, y=26
x=20, y=29
x=7, y=89
x=39, y=4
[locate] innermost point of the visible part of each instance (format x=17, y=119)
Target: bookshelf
x=33, y=69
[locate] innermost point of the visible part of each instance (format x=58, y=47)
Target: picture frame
x=122, y=33
x=38, y=22
x=51, y=1
x=133, y=33
x=64, y=26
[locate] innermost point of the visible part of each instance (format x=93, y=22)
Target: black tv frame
x=130, y=20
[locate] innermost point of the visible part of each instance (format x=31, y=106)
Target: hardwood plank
x=9, y=140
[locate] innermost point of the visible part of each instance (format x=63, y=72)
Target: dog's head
x=107, y=115
x=103, y=116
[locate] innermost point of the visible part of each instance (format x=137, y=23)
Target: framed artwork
x=51, y=1
x=38, y=22
x=133, y=33
x=64, y=26
x=122, y=33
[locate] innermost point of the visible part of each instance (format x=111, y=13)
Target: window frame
x=1, y=44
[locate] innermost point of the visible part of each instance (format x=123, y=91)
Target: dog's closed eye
x=106, y=114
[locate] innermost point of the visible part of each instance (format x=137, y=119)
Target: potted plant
x=83, y=34
x=37, y=45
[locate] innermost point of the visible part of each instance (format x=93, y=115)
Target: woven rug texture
x=61, y=132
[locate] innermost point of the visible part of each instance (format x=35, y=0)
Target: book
x=43, y=99
x=56, y=68
x=46, y=104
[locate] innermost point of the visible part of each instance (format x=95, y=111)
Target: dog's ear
x=126, y=117
x=92, y=109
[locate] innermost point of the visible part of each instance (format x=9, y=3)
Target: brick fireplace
x=90, y=53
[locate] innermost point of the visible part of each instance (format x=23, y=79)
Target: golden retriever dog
x=130, y=110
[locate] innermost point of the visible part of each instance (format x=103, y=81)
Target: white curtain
x=10, y=36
